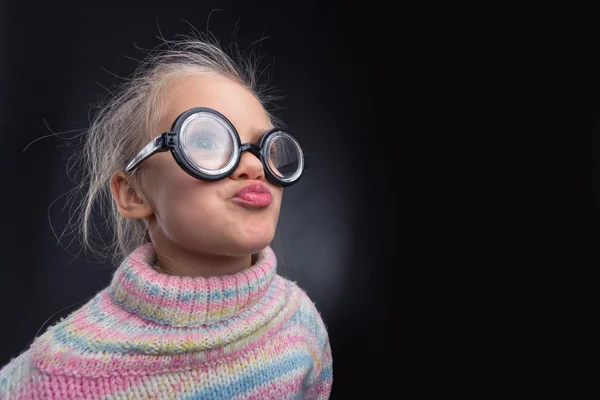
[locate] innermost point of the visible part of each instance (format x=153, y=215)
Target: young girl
x=194, y=167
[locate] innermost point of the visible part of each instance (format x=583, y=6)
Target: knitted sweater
x=148, y=335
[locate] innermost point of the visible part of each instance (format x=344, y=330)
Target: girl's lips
x=254, y=199
x=253, y=188
x=254, y=195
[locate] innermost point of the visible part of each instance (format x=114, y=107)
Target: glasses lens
x=208, y=142
x=284, y=156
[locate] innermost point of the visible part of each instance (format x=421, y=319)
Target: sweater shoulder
x=304, y=300
x=307, y=312
x=16, y=376
x=21, y=371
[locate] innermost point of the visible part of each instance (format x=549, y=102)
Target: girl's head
x=158, y=200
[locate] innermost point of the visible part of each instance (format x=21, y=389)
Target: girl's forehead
x=228, y=97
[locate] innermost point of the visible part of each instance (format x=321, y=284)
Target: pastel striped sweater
x=148, y=335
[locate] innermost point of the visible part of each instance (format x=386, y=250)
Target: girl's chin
x=256, y=242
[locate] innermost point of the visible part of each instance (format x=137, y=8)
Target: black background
x=337, y=65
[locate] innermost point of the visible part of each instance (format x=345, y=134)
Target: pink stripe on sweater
x=235, y=360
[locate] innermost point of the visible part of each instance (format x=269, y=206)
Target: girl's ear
x=130, y=203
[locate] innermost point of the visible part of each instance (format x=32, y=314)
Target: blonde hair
x=121, y=126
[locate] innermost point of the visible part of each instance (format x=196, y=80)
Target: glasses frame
x=171, y=141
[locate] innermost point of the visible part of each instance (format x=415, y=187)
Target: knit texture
x=148, y=335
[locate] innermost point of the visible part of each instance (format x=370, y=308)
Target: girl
x=194, y=167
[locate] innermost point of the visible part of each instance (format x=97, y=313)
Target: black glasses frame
x=171, y=141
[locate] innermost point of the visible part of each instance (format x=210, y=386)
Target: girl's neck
x=181, y=262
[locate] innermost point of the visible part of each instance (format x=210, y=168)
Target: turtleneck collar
x=183, y=301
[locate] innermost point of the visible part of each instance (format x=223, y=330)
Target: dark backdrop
x=325, y=57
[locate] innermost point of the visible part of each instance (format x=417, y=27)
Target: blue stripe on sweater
x=255, y=378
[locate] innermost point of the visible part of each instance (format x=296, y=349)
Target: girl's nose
x=249, y=167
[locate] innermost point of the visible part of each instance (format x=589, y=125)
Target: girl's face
x=205, y=217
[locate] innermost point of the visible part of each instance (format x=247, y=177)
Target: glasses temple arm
x=157, y=145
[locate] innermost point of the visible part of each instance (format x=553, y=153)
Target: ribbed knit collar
x=188, y=301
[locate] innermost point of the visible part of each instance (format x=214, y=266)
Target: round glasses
x=207, y=146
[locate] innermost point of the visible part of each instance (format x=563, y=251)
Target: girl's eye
x=204, y=143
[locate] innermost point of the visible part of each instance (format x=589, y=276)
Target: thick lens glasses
x=207, y=146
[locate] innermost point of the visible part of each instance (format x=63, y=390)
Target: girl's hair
x=125, y=123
